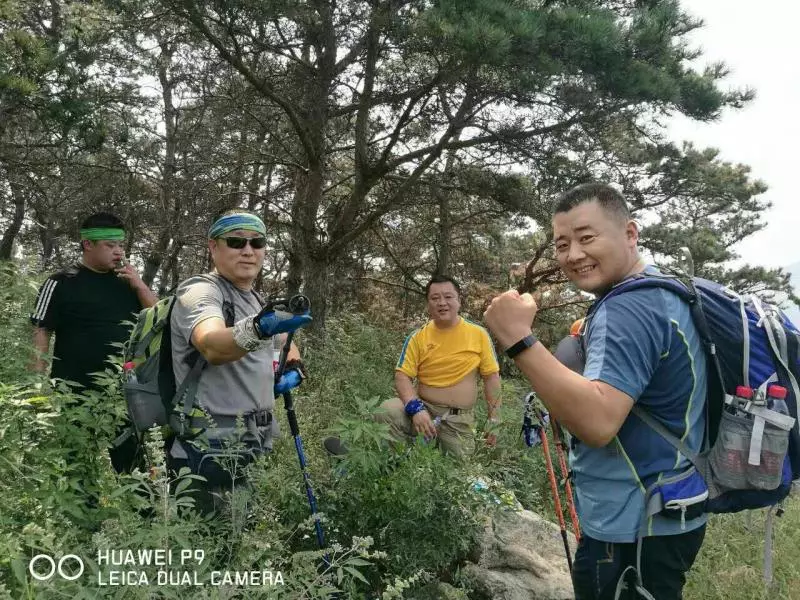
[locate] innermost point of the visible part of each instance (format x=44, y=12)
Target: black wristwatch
x=523, y=344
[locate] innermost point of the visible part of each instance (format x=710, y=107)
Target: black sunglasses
x=237, y=243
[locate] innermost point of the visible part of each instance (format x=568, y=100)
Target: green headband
x=102, y=233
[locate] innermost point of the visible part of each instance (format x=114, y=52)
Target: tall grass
x=52, y=457
x=730, y=565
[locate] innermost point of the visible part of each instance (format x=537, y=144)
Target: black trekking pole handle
x=297, y=304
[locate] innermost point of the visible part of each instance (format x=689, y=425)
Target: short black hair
x=609, y=199
x=442, y=279
x=102, y=219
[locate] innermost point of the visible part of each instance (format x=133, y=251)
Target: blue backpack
x=747, y=343
x=750, y=453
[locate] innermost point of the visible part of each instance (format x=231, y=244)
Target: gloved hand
x=270, y=322
x=288, y=381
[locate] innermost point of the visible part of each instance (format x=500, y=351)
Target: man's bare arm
x=421, y=421
x=147, y=297
x=592, y=410
x=294, y=352
x=215, y=342
x=41, y=347
x=491, y=391
x=404, y=386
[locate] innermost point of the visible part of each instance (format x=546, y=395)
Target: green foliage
x=396, y=520
x=729, y=566
x=66, y=499
x=17, y=294
x=391, y=494
x=403, y=496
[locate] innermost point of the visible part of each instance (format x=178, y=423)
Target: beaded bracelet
x=414, y=406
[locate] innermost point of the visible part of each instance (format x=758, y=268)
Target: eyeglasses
x=237, y=243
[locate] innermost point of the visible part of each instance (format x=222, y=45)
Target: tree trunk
x=7, y=243
x=443, y=234
x=169, y=274
x=316, y=279
x=153, y=262
x=445, y=229
x=48, y=243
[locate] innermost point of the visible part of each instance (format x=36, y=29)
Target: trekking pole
x=554, y=488
x=298, y=305
x=558, y=437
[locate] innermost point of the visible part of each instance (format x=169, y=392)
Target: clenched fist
x=510, y=317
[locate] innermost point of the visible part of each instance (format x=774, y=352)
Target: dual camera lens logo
x=43, y=567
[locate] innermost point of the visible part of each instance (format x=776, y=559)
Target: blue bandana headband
x=229, y=223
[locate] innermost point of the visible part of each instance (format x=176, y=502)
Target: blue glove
x=288, y=381
x=269, y=323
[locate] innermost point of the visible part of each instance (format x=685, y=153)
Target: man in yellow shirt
x=445, y=357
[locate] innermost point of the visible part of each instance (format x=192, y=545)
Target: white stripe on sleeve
x=45, y=296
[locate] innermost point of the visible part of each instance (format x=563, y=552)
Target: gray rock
x=521, y=557
x=439, y=591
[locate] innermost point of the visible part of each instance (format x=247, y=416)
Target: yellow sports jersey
x=443, y=357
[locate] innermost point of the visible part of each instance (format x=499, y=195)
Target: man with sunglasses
x=220, y=317
x=87, y=306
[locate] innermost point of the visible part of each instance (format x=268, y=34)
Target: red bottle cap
x=742, y=391
x=777, y=391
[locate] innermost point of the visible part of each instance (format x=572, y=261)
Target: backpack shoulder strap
x=187, y=391
x=777, y=342
x=165, y=359
x=228, y=309
x=686, y=289
x=665, y=433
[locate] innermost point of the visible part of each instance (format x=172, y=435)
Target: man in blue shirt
x=641, y=347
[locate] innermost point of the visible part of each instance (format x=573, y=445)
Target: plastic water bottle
x=277, y=348
x=130, y=372
x=744, y=395
x=436, y=422
x=776, y=399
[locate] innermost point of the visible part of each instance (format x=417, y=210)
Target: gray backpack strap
x=228, y=309
x=258, y=297
x=778, y=344
x=638, y=586
x=745, y=343
x=653, y=504
x=187, y=391
x=665, y=433
x=768, y=541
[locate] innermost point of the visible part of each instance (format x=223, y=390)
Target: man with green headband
x=220, y=317
x=86, y=307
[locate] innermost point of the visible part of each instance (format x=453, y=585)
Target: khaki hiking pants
x=456, y=432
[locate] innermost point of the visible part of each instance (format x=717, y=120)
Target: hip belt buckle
x=262, y=418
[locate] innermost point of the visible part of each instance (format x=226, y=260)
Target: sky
x=758, y=41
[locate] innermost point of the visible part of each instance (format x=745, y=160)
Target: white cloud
x=758, y=42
